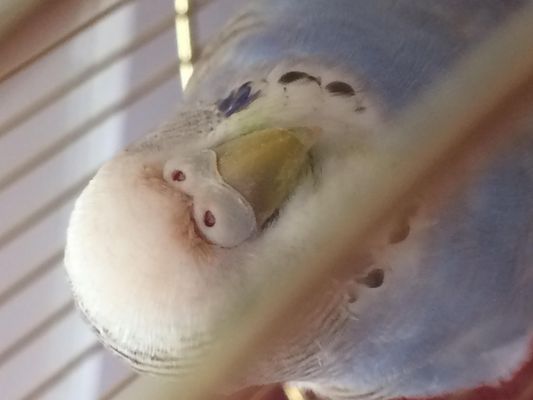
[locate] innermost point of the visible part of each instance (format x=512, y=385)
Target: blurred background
x=79, y=80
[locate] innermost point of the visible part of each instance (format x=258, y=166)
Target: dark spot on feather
x=373, y=279
x=340, y=88
x=294, y=76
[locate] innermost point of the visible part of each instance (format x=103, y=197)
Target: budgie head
x=168, y=229
x=171, y=237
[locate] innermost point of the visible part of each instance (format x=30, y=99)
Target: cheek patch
x=238, y=100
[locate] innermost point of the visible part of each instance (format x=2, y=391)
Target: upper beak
x=238, y=185
x=265, y=166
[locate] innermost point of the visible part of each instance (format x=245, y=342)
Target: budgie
x=287, y=96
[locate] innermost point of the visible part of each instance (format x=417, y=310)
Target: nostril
x=178, y=176
x=209, y=219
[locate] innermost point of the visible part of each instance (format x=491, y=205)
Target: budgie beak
x=265, y=166
x=238, y=185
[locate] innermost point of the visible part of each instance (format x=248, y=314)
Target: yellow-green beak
x=265, y=166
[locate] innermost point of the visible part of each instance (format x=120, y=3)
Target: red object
x=519, y=387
